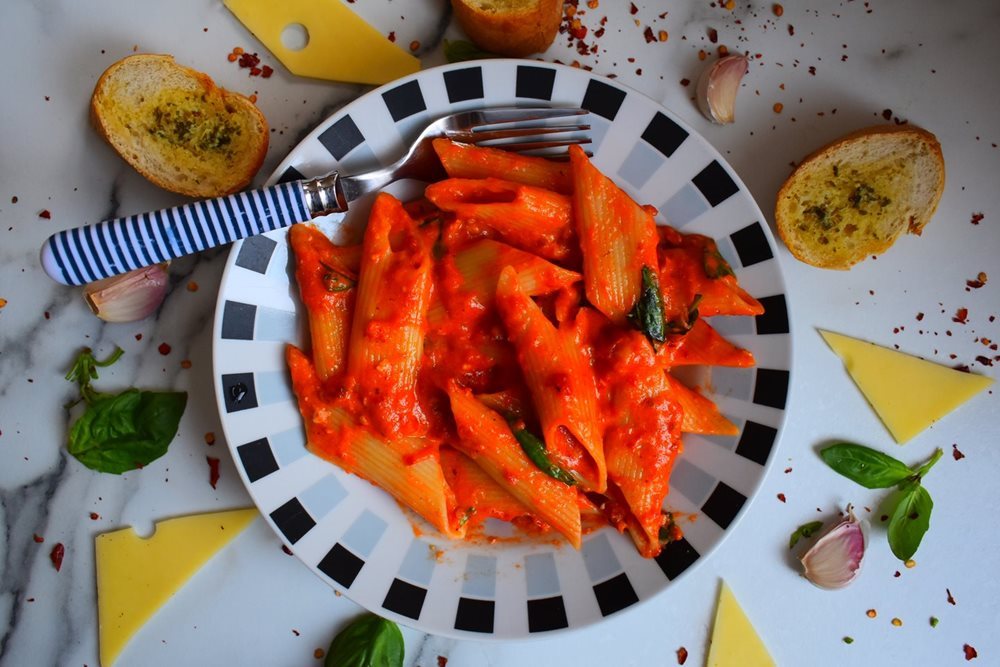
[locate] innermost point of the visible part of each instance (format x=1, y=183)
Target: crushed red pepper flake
x=164, y=349
x=287, y=550
x=777, y=9
x=682, y=655
x=94, y=516
x=685, y=82
x=984, y=361
x=951, y=598
x=186, y=364
x=788, y=470
x=897, y=574
x=970, y=652
x=319, y=653
x=38, y=538
x=442, y=661
x=45, y=213
x=781, y=497
x=213, y=470
x=266, y=71
x=977, y=218
x=414, y=45
x=633, y=10
x=871, y=613
x=897, y=622
x=978, y=281
x=3, y=302
x=713, y=35
x=961, y=316
x=57, y=554
x=778, y=106
x=138, y=336
x=210, y=438
x=920, y=316
x=648, y=35
x=392, y=36
x=956, y=454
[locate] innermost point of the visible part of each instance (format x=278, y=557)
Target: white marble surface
x=928, y=62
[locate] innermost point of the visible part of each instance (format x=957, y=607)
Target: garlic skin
x=835, y=560
x=717, y=88
x=130, y=296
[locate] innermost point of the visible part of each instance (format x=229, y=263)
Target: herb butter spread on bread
x=853, y=198
x=177, y=128
x=514, y=28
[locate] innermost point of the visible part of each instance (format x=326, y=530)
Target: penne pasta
x=527, y=217
x=700, y=414
x=408, y=468
x=561, y=382
x=617, y=238
x=468, y=161
x=487, y=439
x=702, y=346
x=327, y=276
x=387, y=335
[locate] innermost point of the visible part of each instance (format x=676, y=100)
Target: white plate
x=353, y=535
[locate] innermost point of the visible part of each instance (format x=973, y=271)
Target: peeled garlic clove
x=718, y=86
x=835, y=560
x=130, y=296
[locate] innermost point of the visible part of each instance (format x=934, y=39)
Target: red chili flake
x=287, y=550
x=970, y=652
x=682, y=655
x=213, y=470
x=978, y=282
x=920, y=316
x=255, y=71
x=44, y=213
x=956, y=454
x=210, y=438
x=985, y=361
x=266, y=71
x=884, y=517
x=38, y=538
x=633, y=10
x=778, y=9
x=186, y=364
x=648, y=34
x=685, y=82
x=249, y=60
x=579, y=31
x=47, y=315
x=138, y=336
x=319, y=653
x=58, y=551
x=812, y=70
x=960, y=315
x=887, y=114
x=164, y=349
x=392, y=36
x=976, y=218
x=791, y=29
x=442, y=661
x=961, y=367
x=94, y=516
x=13, y=200
x=897, y=574
x=781, y=497
x=788, y=470
x=951, y=598
x=713, y=35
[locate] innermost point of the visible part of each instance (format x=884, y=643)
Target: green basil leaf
x=805, y=530
x=460, y=50
x=122, y=432
x=715, y=264
x=868, y=467
x=369, y=641
x=535, y=449
x=910, y=520
x=647, y=313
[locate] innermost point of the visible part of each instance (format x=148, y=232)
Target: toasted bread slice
x=853, y=198
x=514, y=28
x=177, y=128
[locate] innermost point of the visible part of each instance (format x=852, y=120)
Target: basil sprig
x=910, y=507
x=534, y=447
x=368, y=641
x=647, y=314
x=120, y=432
x=805, y=530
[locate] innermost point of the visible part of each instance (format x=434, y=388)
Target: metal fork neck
x=323, y=195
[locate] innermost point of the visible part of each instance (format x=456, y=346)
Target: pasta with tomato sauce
x=502, y=348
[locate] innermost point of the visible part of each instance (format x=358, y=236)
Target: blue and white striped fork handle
x=85, y=254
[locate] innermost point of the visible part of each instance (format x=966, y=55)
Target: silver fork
x=91, y=252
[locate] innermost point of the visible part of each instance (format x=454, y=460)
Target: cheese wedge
x=340, y=47
x=908, y=393
x=136, y=576
x=734, y=641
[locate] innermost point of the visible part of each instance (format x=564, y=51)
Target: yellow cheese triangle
x=341, y=46
x=136, y=576
x=907, y=393
x=734, y=641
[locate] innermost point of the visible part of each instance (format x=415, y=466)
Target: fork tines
x=530, y=131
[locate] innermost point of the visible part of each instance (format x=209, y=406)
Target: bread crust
x=812, y=254
x=510, y=31
x=104, y=102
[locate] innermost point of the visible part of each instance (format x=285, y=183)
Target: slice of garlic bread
x=177, y=128
x=514, y=28
x=852, y=198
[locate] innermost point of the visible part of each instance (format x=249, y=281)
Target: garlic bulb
x=835, y=560
x=718, y=86
x=130, y=296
